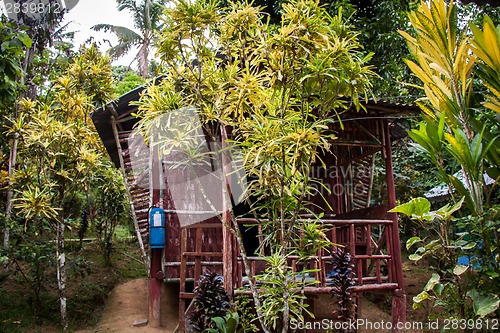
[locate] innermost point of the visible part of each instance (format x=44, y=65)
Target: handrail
x=251, y=220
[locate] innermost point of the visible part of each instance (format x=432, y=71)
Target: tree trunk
x=61, y=272
x=143, y=60
x=10, y=192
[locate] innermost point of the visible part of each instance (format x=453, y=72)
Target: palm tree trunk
x=143, y=60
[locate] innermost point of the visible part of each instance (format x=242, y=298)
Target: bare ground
x=128, y=303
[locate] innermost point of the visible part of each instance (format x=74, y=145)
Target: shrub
x=211, y=301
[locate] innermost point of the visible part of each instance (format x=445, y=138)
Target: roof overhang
x=122, y=110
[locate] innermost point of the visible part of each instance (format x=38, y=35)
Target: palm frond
x=125, y=35
x=120, y=50
x=127, y=4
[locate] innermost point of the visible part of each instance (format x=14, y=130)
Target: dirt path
x=128, y=303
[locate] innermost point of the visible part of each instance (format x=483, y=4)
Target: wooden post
x=155, y=271
x=399, y=297
x=182, y=278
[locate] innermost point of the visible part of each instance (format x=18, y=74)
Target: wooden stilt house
x=364, y=227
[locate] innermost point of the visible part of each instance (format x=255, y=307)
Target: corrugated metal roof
x=442, y=192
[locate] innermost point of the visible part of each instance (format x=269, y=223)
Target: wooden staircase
x=137, y=185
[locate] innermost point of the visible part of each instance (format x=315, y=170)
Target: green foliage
x=279, y=88
x=312, y=239
x=453, y=125
x=58, y=153
x=17, y=312
x=227, y=324
x=420, y=209
x=246, y=313
x=454, y=282
x=108, y=206
x=482, y=248
x=91, y=72
x=87, y=296
x=415, y=208
x=211, y=301
x=13, y=40
x=277, y=285
x=14, y=308
x=432, y=290
x=378, y=23
x=487, y=48
x=448, y=287
x=145, y=14
x=483, y=304
x=445, y=64
x=130, y=81
x=342, y=280
x=45, y=31
x=38, y=254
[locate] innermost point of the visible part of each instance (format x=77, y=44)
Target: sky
x=88, y=13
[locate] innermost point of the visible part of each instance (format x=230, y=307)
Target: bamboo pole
x=129, y=195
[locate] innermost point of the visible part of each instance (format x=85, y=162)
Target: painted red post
x=155, y=269
x=399, y=297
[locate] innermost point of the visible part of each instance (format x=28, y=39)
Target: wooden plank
x=391, y=197
x=359, y=267
x=125, y=134
x=250, y=220
x=375, y=287
x=203, y=226
x=369, y=256
x=192, y=212
x=202, y=254
x=327, y=290
x=184, y=295
x=355, y=143
x=192, y=263
x=374, y=279
x=321, y=264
